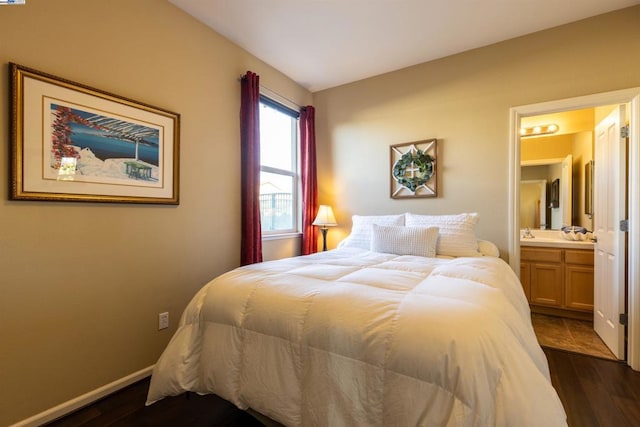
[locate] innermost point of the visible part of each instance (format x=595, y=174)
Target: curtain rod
x=276, y=94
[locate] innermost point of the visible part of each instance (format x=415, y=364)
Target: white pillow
x=360, y=236
x=400, y=240
x=457, y=232
x=488, y=248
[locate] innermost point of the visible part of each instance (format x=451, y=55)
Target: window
x=278, y=167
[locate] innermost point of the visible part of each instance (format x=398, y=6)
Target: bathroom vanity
x=557, y=274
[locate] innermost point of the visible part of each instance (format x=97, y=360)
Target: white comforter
x=356, y=338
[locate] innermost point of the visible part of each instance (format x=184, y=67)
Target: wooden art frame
x=413, y=169
x=588, y=188
x=71, y=142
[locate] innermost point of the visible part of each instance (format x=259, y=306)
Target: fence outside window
x=275, y=211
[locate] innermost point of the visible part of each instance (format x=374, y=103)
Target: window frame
x=294, y=173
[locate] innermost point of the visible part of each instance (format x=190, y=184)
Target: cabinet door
x=578, y=287
x=525, y=279
x=546, y=284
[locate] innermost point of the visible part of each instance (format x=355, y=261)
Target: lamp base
x=324, y=238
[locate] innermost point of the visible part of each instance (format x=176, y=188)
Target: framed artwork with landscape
x=71, y=142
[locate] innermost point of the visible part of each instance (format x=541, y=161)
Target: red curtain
x=251, y=243
x=309, y=179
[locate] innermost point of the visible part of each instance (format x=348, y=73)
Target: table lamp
x=324, y=219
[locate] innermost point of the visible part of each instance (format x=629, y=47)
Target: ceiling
x=325, y=43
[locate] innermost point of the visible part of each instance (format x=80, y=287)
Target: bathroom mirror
x=562, y=157
x=554, y=210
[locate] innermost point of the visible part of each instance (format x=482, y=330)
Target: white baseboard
x=83, y=400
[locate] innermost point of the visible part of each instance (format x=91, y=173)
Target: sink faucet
x=527, y=234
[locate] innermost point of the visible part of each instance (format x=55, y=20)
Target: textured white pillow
x=488, y=248
x=360, y=236
x=400, y=240
x=457, y=232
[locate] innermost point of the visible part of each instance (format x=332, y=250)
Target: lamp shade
x=325, y=217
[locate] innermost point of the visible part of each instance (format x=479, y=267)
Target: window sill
x=295, y=235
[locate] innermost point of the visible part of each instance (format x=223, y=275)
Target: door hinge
x=624, y=132
x=623, y=319
x=624, y=225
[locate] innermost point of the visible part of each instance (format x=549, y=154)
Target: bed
x=368, y=334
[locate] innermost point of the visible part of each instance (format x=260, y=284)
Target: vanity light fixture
x=539, y=130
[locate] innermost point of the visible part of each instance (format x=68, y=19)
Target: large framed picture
x=71, y=142
x=413, y=169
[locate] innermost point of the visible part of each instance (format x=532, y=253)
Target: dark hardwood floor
x=126, y=409
x=594, y=391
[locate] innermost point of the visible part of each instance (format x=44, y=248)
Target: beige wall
x=546, y=147
x=81, y=285
x=464, y=101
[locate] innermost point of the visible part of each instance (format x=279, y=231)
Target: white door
x=610, y=208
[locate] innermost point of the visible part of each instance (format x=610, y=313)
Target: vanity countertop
x=556, y=243
x=553, y=239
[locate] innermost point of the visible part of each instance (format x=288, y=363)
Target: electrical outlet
x=163, y=320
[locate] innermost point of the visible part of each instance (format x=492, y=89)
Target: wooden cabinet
x=545, y=275
x=546, y=284
x=525, y=279
x=558, y=280
x=578, y=279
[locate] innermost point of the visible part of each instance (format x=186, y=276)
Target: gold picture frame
x=588, y=188
x=413, y=169
x=72, y=142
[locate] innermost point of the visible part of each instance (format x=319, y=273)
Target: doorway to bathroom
x=630, y=304
x=556, y=152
